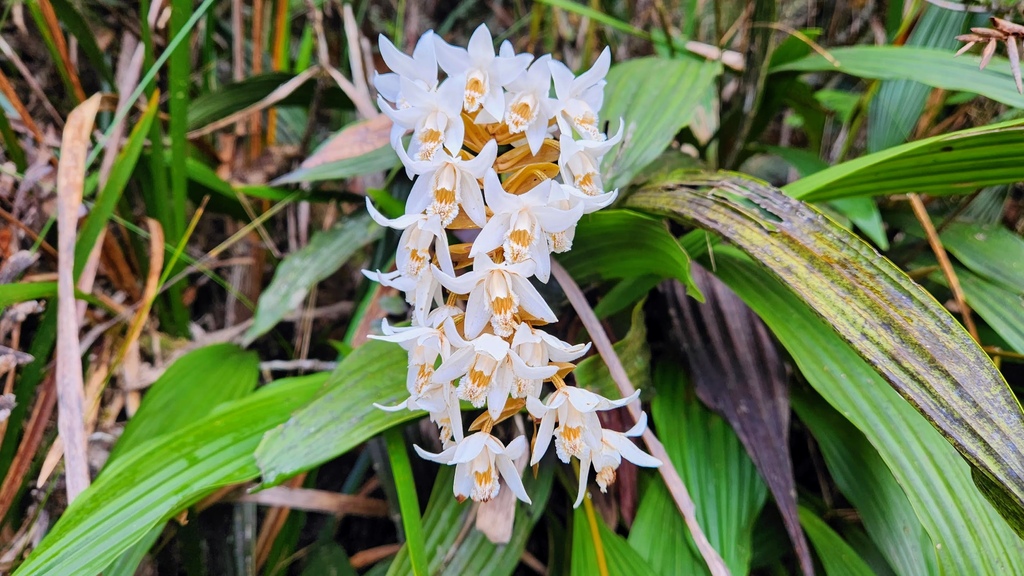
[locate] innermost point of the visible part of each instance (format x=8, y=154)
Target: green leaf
x=162, y=477
x=23, y=291
x=955, y=163
x=866, y=481
x=192, y=387
x=78, y=25
x=298, y=272
x=935, y=68
x=969, y=536
x=328, y=559
x=231, y=98
x=835, y=554
x=474, y=553
x=592, y=373
x=405, y=486
x=729, y=495
x=897, y=107
x=620, y=558
x=383, y=158
x=989, y=250
x=109, y=196
x=893, y=323
x=1001, y=308
x=656, y=98
x=342, y=416
x=619, y=244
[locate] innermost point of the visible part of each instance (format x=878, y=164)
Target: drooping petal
x=531, y=300
x=470, y=447
x=444, y=457
x=630, y=452
x=508, y=471
x=584, y=474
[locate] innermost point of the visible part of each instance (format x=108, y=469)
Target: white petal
x=458, y=284
x=442, y=458
x=511, y=475
x=630, y=452
x=477, y=315
x=531, y=300
x=456, y=365
x=532, y=372
x=620, y=402
x=470, y=447
x=396, y=408
x=638, y=428
x=480, y=43
x=584, y=473
x=544, y=433
x=492, y=235
x=479, y=165
x=452, y=59
x=497, y=392
x=582, y=399
x=491, y=345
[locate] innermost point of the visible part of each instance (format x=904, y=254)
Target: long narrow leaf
x=893, y=323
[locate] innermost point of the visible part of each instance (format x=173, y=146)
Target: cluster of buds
x=495, y=155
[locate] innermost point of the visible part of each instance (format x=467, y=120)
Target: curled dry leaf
x=354, y=140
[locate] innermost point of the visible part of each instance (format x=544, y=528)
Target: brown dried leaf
x=1007, y=26
x=986, y=54
x=1014, y=55
x=354, y=140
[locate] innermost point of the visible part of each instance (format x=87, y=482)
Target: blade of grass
x=405, y=483
x=49, y=28
x=11, y=144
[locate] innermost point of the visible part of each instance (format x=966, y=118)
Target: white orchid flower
x=538, y=348
x=425, y=344
x=528, y=106
x=521, y=224
x=441, y=403
x=434, y=116
x=576, y=196
x=485, y=73
x=580, y=161
x=447, y=183
x=421, y=231
x=579, y=431
x=497, y=293
x=580, y=98
x=606, y=460
x=420, y=68
x=488, y=367
x=479, y=460
x=420, y=292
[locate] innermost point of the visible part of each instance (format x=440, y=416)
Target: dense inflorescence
x=493, y=150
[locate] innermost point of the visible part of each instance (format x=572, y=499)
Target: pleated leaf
x=656, y=97
x=893, y=323
x=969, y=536
x=955, y=163
x=619, y=558
x=838, y=558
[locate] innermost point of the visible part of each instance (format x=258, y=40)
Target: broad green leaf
x=989, y=250
x=897, y=107
x=969, y=535
x=893, y=323
x=383, y=158
x=729, y=495
x=656, y=98
x=191, y=388
x=836, y=555
x=342, y=415
x=592, y=373
x=445, y=518
x=955, y=163
x=619, y=244
x=624, y=294
x=408, y=503
x=1001, y=308
x=162, y=477
x=298, y=272
x=620, y=559
x=935, y=68
x=866, y=481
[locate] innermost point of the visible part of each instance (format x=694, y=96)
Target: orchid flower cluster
x=493, y=151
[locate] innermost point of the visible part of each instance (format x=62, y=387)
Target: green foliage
x=891, y=322
x=835, y=554
x=326, y=252
x=656, y=98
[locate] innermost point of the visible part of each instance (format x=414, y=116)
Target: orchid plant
x=495, y=149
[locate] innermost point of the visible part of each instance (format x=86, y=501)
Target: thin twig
x=673, y=482
x=947, y=267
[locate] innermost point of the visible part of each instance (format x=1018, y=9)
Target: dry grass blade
x=319, y=501
x=279, y=93
x=8, y=91
x=70, y=393
x=38, y=421
x=62, y=47
x=1014, y=55
x=987, y=53
x=673, y=482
